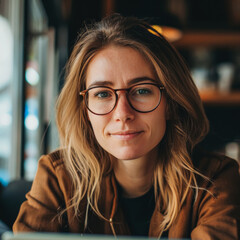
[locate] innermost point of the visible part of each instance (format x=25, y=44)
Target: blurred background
x=36, y=39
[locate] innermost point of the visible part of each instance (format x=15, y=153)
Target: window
x=11, y=30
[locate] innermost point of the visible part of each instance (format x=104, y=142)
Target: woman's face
x=125, y=133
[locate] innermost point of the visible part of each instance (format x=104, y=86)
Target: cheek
x=159, y=121
x=94, y=123
x=159, y=127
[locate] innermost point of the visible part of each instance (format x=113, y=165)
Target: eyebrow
x=130, y=82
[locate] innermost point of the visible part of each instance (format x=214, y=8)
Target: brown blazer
x=205, y=218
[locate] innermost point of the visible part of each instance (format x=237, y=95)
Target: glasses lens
x=144, y=97
x=100, y=100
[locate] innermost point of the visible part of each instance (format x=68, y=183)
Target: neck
x=135, y=176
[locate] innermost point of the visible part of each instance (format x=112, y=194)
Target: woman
x=129, y=118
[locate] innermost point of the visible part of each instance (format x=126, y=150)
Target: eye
x=141, y=91
x=104, y=94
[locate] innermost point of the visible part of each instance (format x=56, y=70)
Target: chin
x=126, y=156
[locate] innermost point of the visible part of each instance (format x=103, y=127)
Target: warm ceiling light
x=170, y=33
x=167, y=24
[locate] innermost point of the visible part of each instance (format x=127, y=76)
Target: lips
x=126, y=135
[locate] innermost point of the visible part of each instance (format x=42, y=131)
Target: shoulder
x=212, y=164
x=52, y=170
x=222, y=178
x=49, y=194
x=216, y=210
x=53, y=160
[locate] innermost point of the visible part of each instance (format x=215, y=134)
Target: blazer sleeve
x=44, y=201
x=218, y=211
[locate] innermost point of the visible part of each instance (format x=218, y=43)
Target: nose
x=123, y=111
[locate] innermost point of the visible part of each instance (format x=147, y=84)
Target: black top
x=138, y=212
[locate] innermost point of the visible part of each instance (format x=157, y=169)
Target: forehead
x=119, y=65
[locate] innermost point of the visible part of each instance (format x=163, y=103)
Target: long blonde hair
x=187, y=124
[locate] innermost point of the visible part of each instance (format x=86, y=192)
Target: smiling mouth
x=126, y=135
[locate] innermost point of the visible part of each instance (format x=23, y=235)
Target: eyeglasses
x=142, y=97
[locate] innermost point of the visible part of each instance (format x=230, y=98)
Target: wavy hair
x=187, y=125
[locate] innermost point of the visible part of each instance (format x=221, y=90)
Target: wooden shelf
x=209, y=39
x=213, y=39
x=220, y=98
